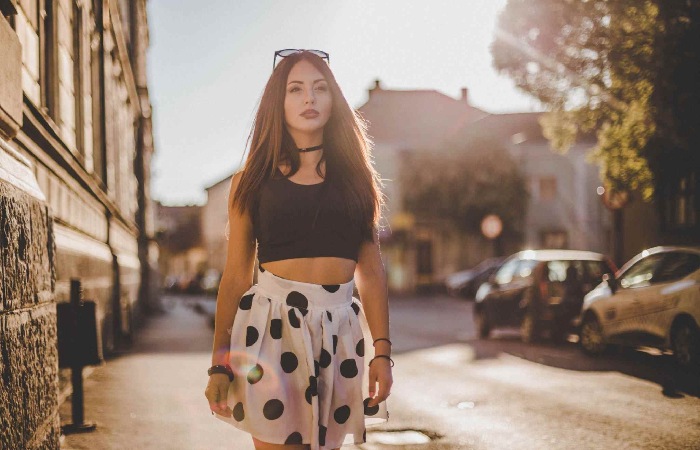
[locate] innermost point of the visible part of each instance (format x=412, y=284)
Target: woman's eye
x=294, y=89
x=322, y=88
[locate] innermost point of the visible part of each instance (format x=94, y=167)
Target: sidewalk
x=153, y=396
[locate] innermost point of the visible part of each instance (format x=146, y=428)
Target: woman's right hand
x=217, y=393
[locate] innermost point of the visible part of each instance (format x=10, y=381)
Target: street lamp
x=491, y=228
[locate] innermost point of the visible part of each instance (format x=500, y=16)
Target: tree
x=626, y=69
x=465, y=185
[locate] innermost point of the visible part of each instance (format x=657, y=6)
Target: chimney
x=465, y=95
x=377, y=87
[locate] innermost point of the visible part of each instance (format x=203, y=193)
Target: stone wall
x=75, y=149
x=28, y=352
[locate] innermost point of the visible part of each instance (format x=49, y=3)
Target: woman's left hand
x=379, y=375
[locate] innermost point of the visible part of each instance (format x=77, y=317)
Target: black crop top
x=283, y=221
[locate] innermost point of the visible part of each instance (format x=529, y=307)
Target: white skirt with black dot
x=298, y=353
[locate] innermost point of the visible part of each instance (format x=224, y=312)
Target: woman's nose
x=310, y=98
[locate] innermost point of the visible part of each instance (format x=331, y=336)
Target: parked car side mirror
x=611, y=281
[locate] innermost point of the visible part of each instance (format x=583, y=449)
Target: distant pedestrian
x=298, y=361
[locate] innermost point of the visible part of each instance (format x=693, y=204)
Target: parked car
x=654, y=300
x=210, y=282
x=541, y=291
x=466, y=282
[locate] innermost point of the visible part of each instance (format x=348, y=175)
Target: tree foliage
x=465, y=185
x=624, y=69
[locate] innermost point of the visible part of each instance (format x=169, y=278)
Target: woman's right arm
x=237, y=277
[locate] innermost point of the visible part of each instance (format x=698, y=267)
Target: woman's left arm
x=371, y=282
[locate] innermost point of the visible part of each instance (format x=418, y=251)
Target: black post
x=618, y=238
x=76, y=368
x=77, y=407
x=498, y=245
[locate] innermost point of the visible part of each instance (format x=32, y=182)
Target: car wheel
x=592, y=340
x=529, y=331
x=685, y=340
x=483, y=326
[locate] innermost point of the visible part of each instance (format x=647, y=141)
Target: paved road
x=462, y=392
x=503, y=394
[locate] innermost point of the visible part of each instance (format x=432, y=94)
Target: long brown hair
x=347, y=149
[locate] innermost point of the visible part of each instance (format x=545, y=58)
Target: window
x=681, y=202
x=78, y=78
x=642, y=272
x=557, y=270
x=505, y=274
x=425, y=257
x=677, y=265
x=525, y=268
x=8, y=11
x=554, y=239
x=49, y=59
x=548, y=188
x=595, y=271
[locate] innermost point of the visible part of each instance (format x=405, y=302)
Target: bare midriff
x=317, y=270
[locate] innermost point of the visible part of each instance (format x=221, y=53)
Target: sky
x=208, y=63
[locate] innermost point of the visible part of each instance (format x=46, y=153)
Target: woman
x=298, y=361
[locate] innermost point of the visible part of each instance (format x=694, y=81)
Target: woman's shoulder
x=235, y=181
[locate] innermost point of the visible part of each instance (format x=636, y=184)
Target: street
x=461, y=392
x=503, y=394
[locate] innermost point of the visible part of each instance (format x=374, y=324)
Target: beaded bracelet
x=381, y=339
x=226, y=370
x=382, y=356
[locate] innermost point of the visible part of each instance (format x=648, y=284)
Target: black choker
x=310, y=149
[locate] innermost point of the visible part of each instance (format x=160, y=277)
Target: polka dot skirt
x=299, y=352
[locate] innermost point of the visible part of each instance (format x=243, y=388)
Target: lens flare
x=249, y=366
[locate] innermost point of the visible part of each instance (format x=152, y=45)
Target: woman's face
x=308, y=101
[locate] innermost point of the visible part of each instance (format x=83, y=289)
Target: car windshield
x=574, y=276
x=506, y=272
x=525, y=268
x=642, y=272
x=677, y=265
x=584, y=271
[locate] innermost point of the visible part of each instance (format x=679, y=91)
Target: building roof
x=516, y=127
x=415, y=118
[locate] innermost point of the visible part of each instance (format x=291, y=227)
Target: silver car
x=653, y=300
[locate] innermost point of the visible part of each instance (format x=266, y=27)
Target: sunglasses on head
x=290, y=51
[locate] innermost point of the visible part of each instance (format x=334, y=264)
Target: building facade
x=76, y=114
x=671, y=218
x=563, y=210
x=214, y=220
x=183, y=260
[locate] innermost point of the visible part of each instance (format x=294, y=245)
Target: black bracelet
x=382, y=356
x=381, y=339
x=226, y=370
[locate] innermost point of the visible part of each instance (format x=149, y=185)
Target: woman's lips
x=310, y=114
